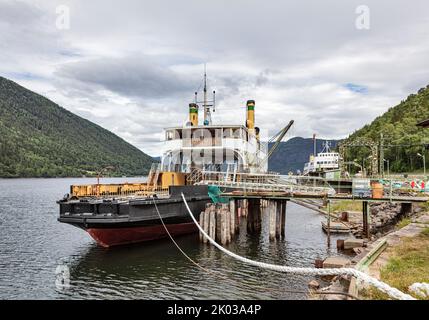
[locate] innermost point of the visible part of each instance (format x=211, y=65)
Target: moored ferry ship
x=325, y=163
x=117, y=214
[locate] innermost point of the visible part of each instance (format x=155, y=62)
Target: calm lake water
x=33, y=244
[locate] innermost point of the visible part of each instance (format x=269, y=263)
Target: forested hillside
x=402, y=138
x=38, y=138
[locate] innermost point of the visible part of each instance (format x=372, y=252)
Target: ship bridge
x=212, y=147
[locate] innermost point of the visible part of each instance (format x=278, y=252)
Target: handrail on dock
x=107, y=190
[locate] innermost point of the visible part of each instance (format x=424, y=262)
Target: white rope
x=392, y=292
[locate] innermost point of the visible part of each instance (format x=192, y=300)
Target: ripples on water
x=33, y=244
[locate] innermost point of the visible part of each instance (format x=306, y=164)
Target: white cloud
x=132, y=66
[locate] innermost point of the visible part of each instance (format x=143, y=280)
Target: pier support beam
x=365, y=218
x=223, y=222
x=234, y=216
x=254, y=215
x=227, y=214
x=244, y=207
x=258, y=214
x=283, y=218
x=250, y=218
x=218, y=224
x=271, y=208
x=206, y=222
x=202, y=224
x=328, y=217
x=279, y=208
x=212, y=223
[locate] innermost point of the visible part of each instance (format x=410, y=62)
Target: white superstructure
x=324, y=161
x=213, y=148
x=210, y=147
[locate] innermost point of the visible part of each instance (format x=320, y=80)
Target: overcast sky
x=132, y=66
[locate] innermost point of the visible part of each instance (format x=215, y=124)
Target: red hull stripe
x=120, y=236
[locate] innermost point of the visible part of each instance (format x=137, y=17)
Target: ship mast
x=205, y=103
x=205, y=106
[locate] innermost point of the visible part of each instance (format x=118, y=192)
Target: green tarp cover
x=215, y=195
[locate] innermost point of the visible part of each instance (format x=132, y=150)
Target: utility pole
x=388, y=166
x=381, y=155
x=424, y=162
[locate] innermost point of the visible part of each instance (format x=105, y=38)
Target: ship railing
x=258, y=187
x=202, y=142
x=115, y=190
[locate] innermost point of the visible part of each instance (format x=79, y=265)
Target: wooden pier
x=221, y=221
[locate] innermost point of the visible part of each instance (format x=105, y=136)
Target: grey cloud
x=135, y=76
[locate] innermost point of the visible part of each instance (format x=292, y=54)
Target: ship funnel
x=193, y=114
x=250, y=120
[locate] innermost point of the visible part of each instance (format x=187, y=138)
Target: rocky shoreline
x=383, y=219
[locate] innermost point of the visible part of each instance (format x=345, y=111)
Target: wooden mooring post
x=212, y=224
x=254, y=222
x=279, y=209
x=206, y=221
x=283, y=218
x=276, y=215
x=328, y=217
x=272, y=210
x=219, y=222
x=366, y=230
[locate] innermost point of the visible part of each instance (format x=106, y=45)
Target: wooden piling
x=223, y=237
x=272, y=220
x=212, y=228
x=245, y=208
x=283, y=218
x=202, y=225
x=257, y=215
x=232, y=209
x=250, y=217
x=206, y=223
x=365, y=217
x=218, y=223
x=227, y=214
x=329, y=222
x=278, y=218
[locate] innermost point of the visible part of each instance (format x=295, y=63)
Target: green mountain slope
x=402, y=138
x=38, y=138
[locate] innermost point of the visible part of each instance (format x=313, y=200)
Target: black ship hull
x=113, y=222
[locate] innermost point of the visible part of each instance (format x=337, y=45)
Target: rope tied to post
x=392, y=292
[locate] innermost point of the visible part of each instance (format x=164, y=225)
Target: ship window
x=170, y=135
x=173, y=134
x=227, y=133
x=238, y=134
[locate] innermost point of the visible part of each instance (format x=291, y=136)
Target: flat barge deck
x=115, y=221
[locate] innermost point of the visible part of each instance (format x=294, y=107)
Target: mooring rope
x=220, y=275
x=392, y=292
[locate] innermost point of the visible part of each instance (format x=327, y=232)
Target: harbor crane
x=278, y=137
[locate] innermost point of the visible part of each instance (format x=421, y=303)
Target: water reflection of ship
x=130, y=271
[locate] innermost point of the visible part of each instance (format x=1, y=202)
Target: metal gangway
x=265, y=182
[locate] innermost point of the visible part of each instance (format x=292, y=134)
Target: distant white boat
x=323, y=162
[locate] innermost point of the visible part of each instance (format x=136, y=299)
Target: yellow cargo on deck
x=172, y=179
